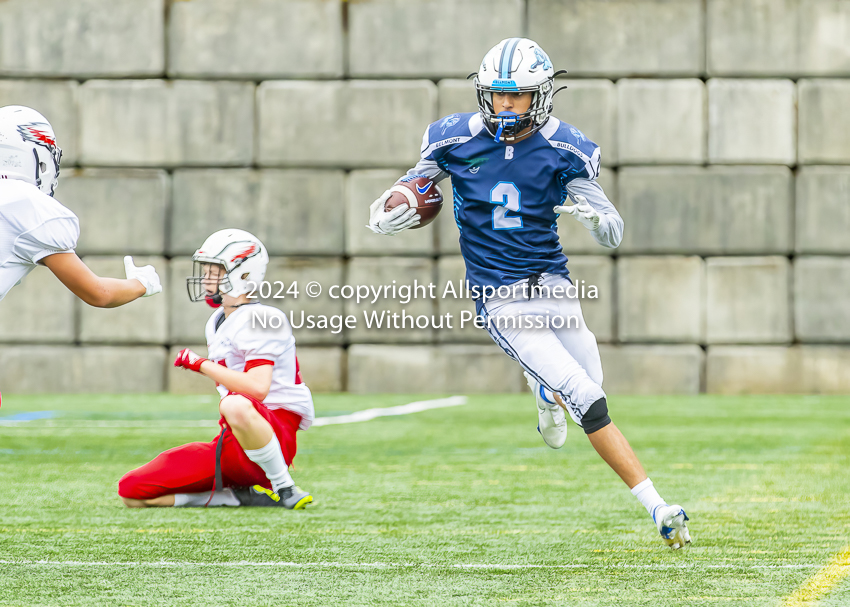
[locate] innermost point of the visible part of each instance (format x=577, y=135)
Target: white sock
x=225, y=497
x=648, y=496
x=270, y=459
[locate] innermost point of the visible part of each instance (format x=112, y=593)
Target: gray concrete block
x=467, y=369
x=294, y=212
x=753, y=370
x=322, y=369
x=591, y=106
x=823, y=215
x=363, y=188
x=328, y=272
x=628, y=37
x=575, y=238
x=652, y=369
x=825, y=369
x=824, y=132
x=752, y=121
x=823, y=27
x=387, y=272
x=56, y=100
x=778, y=37
x=84, y=38
x=778, y=370
x=255, y=39
x=822, y=299
x=391, y=38
x=88, y=369
x=748, y=300
x=374, y=369
x=596, y=271
x=451, y=269
x=661, y=121
x=166, y=124
x=143, y=321
x=661, y=299
x=183, y=381
x=709, y=211
x=40, y=309
x=752, y=37
x=121, y=212
x=351, y=124
x=432, y=369
x=186, y=319
x=455, y=97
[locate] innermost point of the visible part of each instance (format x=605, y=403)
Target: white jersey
x=240, y=341
x=32, y=226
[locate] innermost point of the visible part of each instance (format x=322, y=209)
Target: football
x=421, y=194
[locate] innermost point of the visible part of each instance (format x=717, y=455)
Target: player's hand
x=146, y=275
x=390, y=222
x=189, y=360
x=582, y=211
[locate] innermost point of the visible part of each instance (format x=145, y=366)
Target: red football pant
x=191, y=468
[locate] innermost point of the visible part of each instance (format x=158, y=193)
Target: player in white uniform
x=35, y=229
x=263, y=404
x=513, y=168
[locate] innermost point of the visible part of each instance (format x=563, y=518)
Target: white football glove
x=391, y=222
x=582, y=211
x=146, y=275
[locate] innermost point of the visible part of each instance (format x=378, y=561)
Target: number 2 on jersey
x=506, y=195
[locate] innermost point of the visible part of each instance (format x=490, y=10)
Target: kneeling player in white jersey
x=513, y=168
x=264, y=402
x=35, y=229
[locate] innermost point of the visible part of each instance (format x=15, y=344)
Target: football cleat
x=551, y=419
x=672, y=524
x=291, y=498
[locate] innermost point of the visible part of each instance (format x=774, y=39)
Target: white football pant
x=562, y=354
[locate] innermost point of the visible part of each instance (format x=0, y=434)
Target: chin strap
x=214, y=301
x=505, y=119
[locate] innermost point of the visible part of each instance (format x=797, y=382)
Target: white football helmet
x=28, y=149
x=226, y=262
x=515, y=65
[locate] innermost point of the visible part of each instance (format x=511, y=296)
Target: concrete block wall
x=725, y=145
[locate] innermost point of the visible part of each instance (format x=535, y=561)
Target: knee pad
x=596, y=417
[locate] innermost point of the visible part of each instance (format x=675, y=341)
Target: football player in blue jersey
x=514, y=167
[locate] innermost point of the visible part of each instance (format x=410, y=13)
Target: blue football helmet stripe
x=508, y=57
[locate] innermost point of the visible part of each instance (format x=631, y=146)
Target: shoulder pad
x=583, y=154
x=567, y=138
x=450, y=130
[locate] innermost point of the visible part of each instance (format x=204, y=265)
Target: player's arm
x=402, y=217
x=593, y=209
x=98, y=291
x=254, y=382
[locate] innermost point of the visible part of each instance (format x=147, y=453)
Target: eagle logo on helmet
x=36, y=133
x=249, y=251
x=39, y=134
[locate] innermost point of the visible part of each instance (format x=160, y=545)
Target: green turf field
x=459, y=506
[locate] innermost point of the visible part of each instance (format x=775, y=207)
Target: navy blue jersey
x=504, y=193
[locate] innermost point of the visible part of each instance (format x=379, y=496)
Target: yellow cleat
x=291, y=498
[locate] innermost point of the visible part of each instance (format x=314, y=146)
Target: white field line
x=414, y=407
x=337, y=565
x=359, y=416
